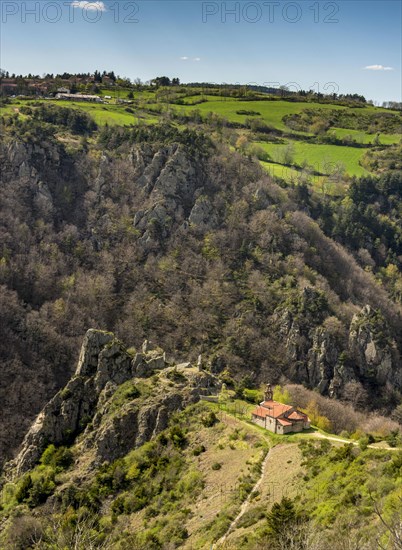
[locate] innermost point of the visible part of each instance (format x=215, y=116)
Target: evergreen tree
x=283, y=522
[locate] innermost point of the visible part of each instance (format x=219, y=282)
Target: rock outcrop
x=202, y=214
x=85, y=402
x=170, y=181
x=371, y=348
x=319, y=359
x=322, y=360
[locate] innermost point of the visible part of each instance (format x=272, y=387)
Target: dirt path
x=341, y=440
x=245, y=504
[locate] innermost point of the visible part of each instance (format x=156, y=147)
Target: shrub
x=393, y=439
x=131, y=393
x=216, y=466
x=176, y=376
x=209, y=419
x=24, y=532
x=249, y=113
x=59, y=458
x=70, y=497
x=282, y=395
x=363, y=443
x=251, y=517
x=24, y=488
x=322, y=422
x=110, y=478
x=198, y=450
x=41, y=489
x=253, y=396
x=343, y=453
x=190, y=482
x=176, y=534
x=177, y=437
x=65, y=394
x=380, y=426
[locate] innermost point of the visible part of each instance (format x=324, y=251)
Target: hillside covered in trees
x=167, y=233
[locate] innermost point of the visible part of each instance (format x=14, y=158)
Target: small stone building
x=277, y=417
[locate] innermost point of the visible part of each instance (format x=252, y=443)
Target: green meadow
x=323, y=184
x=272, y=112
x=286, y=173
x=322, y=158
x=110, y=114
x=364, y=137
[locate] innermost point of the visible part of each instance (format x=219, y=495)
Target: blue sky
x=346, y=46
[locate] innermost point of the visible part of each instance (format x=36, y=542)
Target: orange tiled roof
x=272, y=409
x=276, y=409
x=259, y=411
x=295, y=415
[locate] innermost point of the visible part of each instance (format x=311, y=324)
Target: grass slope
x=322, y=158
x=364, y=137
x=147, y=104
x=272, y=112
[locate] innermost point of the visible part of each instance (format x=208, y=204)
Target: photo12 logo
x=73, y=11
x=269, y=12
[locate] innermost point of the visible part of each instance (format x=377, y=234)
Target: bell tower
x=268, y=393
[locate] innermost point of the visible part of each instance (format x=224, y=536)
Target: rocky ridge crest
x=85, y=405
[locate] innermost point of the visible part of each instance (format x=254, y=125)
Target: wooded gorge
x=165, y=234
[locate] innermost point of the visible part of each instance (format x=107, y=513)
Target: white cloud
x=186, y=58
x=378, y=68
x=88, y=5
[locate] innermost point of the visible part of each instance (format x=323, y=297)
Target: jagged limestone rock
x=114, y=365
x=322, y=360
x=202, y=214
x=66, y=414
x=94, y=341
x=170, y=181
x=316, y=358
x=56, y=423
x=371, y=347
x=86, y=403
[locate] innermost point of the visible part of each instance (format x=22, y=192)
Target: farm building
x=278, y=417
x=80, y=97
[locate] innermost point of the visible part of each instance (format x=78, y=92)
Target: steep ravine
x=202, y=254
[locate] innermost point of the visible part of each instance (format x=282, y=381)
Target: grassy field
x=11, y=108
x=322, y=158
x=280, y=171
x=109, y=114
x=363, y=137
x=272, y=112
x=282, y=478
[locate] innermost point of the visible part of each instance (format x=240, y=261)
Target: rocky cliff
x=324, y=355
x=86, y=405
